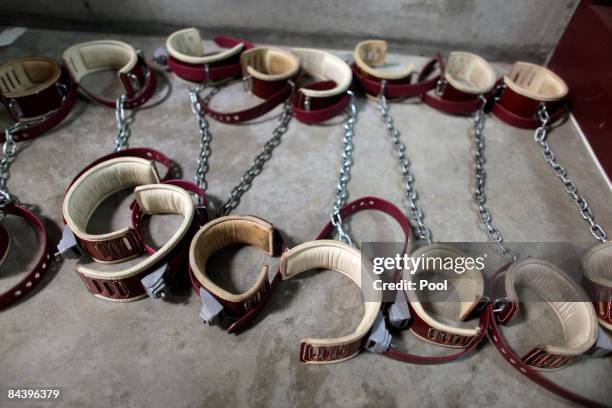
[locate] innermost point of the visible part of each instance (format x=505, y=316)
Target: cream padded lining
x=597, y=264
x=371, y=54
x=89, y=57
x=225, y=231
x=342, y=258
x=577, y=318
x=324, y=66
x=154, y=199
x=186, y=46
x=535, y=82
x=99, y=182
x=269, y=64
x=469, y=287
x=469, y=73
x=26, y=76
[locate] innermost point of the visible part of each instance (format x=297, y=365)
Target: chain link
x=9, y=152
x=345, y=170
x=585, y=211
x=257, y=165
x=205, y=137
x=415, y=210
x=480, y=184
x=123, y=124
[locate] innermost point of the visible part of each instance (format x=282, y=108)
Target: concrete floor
x=156, y=354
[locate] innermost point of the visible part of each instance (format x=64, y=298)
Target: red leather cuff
x=520, y=111
x=53, y=105
x=33, y=278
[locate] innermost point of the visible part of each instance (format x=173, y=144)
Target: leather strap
x=268, y=74
x=369, y=203
x=466, y=76
x=326, y=98
x=5, y=244
x=238, y=310
x=253, y=112
x=37, y=93
x=186, y=57
x=136, y=77
x=520, y=93
x=33, y=278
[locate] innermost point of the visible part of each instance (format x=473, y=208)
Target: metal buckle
x=499, y=90
x=379, y=339
x=499, y=304
x=134, y=82
x=14, y=109
x=207, y=74
x=247, y=83
x=440, y=87
x=306, y=103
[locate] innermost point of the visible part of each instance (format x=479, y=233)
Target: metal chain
x=257, y=165
x=415, y=210
x=585, y=211
x=9, y=152
x=345, y=170
x=480, y=184
x=205, y=136
x=123, y=124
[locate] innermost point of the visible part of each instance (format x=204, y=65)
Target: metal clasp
x=440, y=87
x=383, y=88
x=306, y=103
x=207, y=80
x=336, y=220
x=14, y=109
x=499, y=304
x=247, y=83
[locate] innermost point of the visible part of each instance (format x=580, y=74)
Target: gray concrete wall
x=500, y=29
